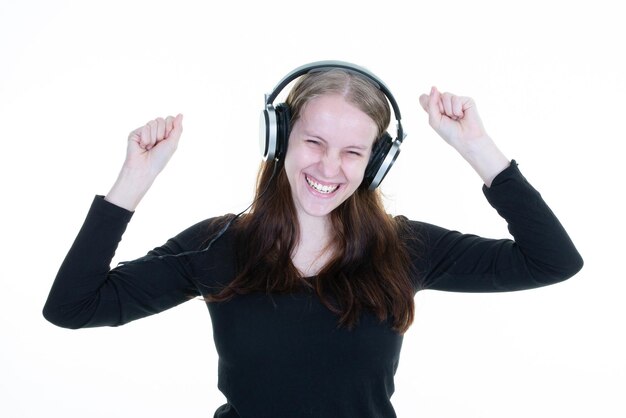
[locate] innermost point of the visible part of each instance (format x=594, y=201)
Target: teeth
x=320, y=187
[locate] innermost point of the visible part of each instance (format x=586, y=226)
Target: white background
x=76, y=77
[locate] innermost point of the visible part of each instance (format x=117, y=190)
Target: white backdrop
x=76, y=77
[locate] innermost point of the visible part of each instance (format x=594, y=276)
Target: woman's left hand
x=456, y=120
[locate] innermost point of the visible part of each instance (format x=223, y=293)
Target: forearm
x=129, y=188
x=485, y=158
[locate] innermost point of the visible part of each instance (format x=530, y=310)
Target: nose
x=330, y=164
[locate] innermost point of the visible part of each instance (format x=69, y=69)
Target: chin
x=318, y=210
x=322, y=209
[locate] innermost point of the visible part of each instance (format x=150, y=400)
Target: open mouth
x=321, y=188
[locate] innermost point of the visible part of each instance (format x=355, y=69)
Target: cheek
x=299, y=157
x=295, y=161
x=290, y=168
x=355, y=169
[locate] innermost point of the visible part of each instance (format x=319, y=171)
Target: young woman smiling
x=310, y=291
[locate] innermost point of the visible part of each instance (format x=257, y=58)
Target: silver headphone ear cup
x=268, y=133
x=385, y=166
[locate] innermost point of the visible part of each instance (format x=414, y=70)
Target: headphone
x=275, y=123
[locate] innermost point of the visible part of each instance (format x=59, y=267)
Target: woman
x=311, y=290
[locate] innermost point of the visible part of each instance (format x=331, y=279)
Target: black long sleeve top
x=284, y=355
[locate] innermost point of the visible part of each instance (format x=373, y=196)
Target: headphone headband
x=330, y=64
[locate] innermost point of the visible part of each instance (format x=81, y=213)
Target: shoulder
x=410, y=229
x=199, y=234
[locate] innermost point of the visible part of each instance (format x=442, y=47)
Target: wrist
x=485, y=158
x=129, y=188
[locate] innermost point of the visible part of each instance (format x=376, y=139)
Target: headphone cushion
x=379, y=152
x=283, y=128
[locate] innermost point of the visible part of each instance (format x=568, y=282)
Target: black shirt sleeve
x=541, y=252
x=88, y=293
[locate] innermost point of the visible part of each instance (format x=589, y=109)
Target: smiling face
x=329, y=148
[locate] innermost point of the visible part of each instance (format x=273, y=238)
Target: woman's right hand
x=152, y=145
x=149, y=149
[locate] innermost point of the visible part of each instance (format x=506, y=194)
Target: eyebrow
x=359, y=147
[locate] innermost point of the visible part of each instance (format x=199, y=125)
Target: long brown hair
x=370, y=267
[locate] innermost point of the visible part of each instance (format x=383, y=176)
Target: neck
x=314, y=229
x=313, y=250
